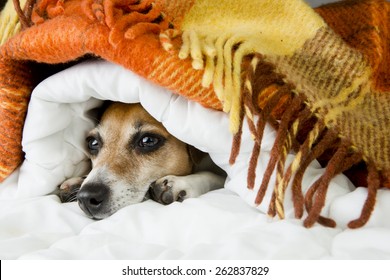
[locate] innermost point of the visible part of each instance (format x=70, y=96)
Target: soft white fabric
x=221, y=224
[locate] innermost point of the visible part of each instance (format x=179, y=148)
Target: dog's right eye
x=93, y=145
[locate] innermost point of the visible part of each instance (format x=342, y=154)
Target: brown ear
x=196, y=155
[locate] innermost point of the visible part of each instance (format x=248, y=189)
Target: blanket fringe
x=24, y=15
x=300, y=130
x=46, y=9
x=374, y=184
x=317, y=142
x=221, y=58
x=127, y=19
x=137, y=18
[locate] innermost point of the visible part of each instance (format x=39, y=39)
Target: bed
x=222, y=224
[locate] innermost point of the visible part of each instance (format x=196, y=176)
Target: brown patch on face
x=132, y=146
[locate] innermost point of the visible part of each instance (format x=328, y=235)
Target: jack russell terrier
x=133, y=158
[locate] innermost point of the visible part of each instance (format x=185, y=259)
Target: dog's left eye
x=148, y=142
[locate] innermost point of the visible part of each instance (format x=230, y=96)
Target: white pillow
x=59, y=117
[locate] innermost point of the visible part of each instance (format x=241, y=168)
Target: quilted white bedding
x=222, y=224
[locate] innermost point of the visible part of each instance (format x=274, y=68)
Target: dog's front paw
x=167, y=190
x=68, y=190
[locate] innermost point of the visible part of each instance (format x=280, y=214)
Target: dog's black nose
x=93, y=198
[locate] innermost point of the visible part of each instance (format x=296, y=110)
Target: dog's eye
x=148, y=142
x=93, y=145
x=145, y=143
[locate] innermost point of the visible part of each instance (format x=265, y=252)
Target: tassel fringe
x=298, y=129
x=374, y=183
x=24, y=15
x=127, y=19
x=223, y=56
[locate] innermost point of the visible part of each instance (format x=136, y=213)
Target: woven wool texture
x=319, y=77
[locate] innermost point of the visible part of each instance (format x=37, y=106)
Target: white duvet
x=222, y=224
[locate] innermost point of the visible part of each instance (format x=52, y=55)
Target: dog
x=135, y=158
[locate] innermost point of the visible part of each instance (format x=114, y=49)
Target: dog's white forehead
x=121, y=121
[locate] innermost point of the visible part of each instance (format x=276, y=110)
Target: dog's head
x=129, y=150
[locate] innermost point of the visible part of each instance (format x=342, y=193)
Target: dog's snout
x=93, y=198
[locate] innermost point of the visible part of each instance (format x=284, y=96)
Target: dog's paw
x=68, y=190
x=168, y=189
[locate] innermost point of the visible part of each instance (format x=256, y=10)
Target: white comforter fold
x=223, y=224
